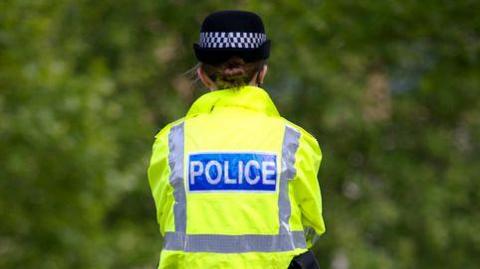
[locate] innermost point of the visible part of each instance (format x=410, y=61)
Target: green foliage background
x=391, y=89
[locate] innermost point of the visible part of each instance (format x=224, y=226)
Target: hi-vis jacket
x=235, y=185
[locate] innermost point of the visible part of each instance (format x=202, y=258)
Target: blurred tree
x=389, y=88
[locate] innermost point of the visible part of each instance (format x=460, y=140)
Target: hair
x=233, y=73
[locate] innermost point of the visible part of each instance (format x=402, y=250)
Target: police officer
x=235, y=184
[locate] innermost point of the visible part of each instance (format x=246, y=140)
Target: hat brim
x=220, y=55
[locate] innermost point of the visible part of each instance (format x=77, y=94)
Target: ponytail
x=233, y=73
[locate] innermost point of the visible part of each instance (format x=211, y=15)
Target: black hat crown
x=231, y=33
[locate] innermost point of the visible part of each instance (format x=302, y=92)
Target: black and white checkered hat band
x=231, y=40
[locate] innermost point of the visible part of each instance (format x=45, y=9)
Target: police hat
x=232, y=33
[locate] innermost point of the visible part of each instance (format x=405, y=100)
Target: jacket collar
x=246, y=97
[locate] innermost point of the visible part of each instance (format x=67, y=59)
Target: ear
x=258, y=78
x=205, y=79
x=262, y=74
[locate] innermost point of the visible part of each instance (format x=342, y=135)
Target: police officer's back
x=235, y=185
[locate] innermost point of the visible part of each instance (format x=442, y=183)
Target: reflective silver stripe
x=234, y=243
x=175, y=160
x=289, y=149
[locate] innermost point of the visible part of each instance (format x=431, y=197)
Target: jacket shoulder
x=308, y=144
x=305, y=135
x=166, y=130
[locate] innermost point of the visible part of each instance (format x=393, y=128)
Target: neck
x=255, y=81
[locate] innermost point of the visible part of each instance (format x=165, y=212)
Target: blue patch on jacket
x=232, y=171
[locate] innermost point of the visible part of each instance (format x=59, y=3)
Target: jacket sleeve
x=306, y=186
x=158, y=177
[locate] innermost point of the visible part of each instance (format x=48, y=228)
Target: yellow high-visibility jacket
x=235, y=185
